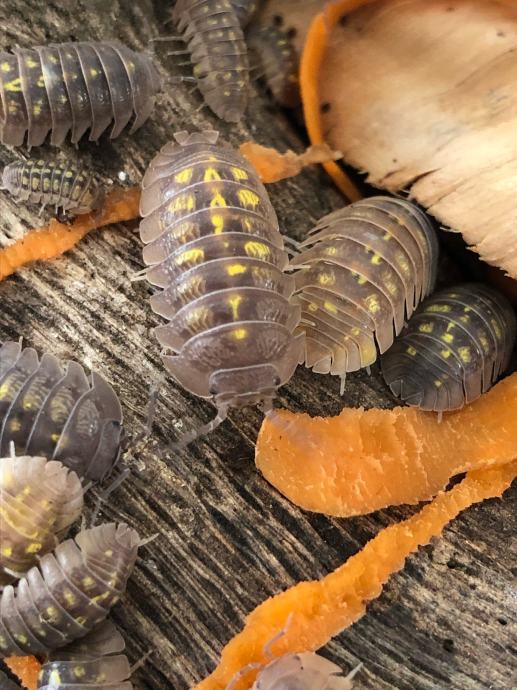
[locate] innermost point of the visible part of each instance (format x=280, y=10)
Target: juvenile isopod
x=363, y=271
x=69, y=592
x=55, y=411
x=455, y=346
x=96, y=662
x=273, y=59
x=39, y=500
x=215, y=41
x=62, y=185
x=214, y=247
x=72, y=87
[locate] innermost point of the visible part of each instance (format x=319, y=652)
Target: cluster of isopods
x=240, y=316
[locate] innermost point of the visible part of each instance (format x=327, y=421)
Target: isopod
x=7, y=684
x=215, y=41
x=54, y=411
x=69, y=592
x=62, y=185
x=72, y=87
x=214, y=247
x=363, y=270
x=95, y=662
x=454, y=348
x=274, y=58
x=245, y=9
x=39, y=500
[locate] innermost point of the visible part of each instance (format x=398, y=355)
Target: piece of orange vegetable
x=273, y=166
x=361, y=461
x=57, y=238
x=26, y=668
x=322, y=608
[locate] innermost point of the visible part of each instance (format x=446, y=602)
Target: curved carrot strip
x=57, y=238
x=321, y=609
x=312, y=58
x=273, y=166
x=361, y=461
x=26, y=668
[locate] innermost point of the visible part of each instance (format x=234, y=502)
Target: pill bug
x=7, y=684
x=72, y=87
x=54, y=411
x=214, y=247
x=363, y=270
x=454, y=348
x=245, y=9
x=63, y=185
x=39, y=500
x=69, y=592
x=273, y=59
x=215, y=41
x=95, y=662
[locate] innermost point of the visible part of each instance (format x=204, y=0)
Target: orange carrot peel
x=312, y=59
x=57, y=238
x=26, y=668
x=361, y=461
x=273, y=166
x=319, y=610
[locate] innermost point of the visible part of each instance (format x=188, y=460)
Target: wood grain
x=226, y=539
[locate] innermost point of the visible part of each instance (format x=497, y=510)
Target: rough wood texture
x=226, y=539
x=422, y=99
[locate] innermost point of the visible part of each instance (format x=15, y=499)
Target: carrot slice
x=26, y=668
x=321, y=609
x=361, y=461
x=57, y=238
x=273, y=166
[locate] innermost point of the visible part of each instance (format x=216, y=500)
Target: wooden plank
x=226, y=539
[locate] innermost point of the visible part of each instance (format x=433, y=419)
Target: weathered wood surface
x=226, y=539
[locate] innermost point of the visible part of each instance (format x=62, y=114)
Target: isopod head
x=305, y=671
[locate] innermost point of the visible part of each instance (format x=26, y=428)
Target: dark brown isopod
x=95, y=662
x=62, y=185
x=39, y=500
x=245, y=9
x=214, y=247
x=72, y=87
x=69, y=592
x=454, y=348
x=364, y=269
x=273, y=59
x=58, y=413
x=215, y=41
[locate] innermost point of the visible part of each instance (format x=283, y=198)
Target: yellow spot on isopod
x=257, y=249
x=239, y=174
x=438, y=308
x=240, y=333
x=445, y=354
x=5, y=67
x=15, y=425
x=190, y=256
x=218, y=201
x=247, y=198
x=211, y=175
x=426, y=327
x=326, y=279
x=465, y=354
x=13, y=85
x=54, y=679
x=88, y=581
x=234, y=303
x=411, y=351
x=236, y=269
x=438, y=383
x=33, y=548
x=330, y=307
x=361, y=280
x=6, y=551
x=31, y=62
x=312, y=307
x=376, y=259
x=218, y=223
x=94, y=72
x=372, y=303
x=70, y=597
x=184, y=176
x=40, y=82
x=79, y=671
x=447, y=338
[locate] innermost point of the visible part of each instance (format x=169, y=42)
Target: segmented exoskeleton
x=95, y=662
x=54, y=411
x=454, y=348
x=72, y=87
x=62, y=185
x=39, y=500
x=69, y=592
x=214, y=247
x=215, y=40
x=364, y=270
x=7, y=684
x=245, y=10
x=273, y=58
